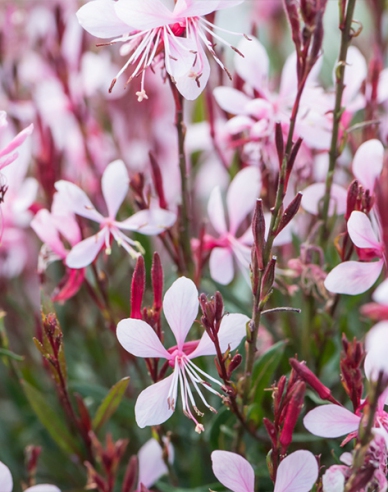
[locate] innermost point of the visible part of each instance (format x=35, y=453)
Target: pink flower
x=6, y=482
x=148, y=28
x=240, y=201
x=355, y=277
x=115, y=185
x=296, y=473
x=151, y=463
x=9, y=154
x=157, y=403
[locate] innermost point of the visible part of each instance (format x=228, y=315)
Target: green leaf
x=165, y=487
x=263, y=375
x=110, y=403
x=11, y=355
x=50, y=419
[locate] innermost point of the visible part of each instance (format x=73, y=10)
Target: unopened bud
x=290, y=212
x=294, y=408
x=130, y=479
x=268, y=280
x=352, y=198
x=293, y=18
x=137, y=288
x=158, y=181
x=234, y=363
x=157, y=281
x=291, y=160
x=279, y=143
x=258, y=229
x=271, y=430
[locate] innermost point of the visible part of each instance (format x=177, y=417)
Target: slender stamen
x=194, y=381
x=191, y=363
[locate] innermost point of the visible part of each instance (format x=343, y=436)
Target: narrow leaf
x=110, y=403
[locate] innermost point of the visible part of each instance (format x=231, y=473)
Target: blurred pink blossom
x=6, y=482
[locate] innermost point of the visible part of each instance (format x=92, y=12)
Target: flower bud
x=137, y=288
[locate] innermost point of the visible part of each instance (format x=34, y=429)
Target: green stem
x=346, y=37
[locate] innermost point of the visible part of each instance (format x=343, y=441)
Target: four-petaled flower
x=115, y=185
x=296, y=473
x=180, y=304
x=149, y=28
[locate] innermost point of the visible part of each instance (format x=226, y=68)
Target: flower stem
x=346, y=36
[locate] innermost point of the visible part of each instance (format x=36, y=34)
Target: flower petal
x=83, y=253
x=331, y=421
x=353, y=277
x=99, y=19
x=5, y=478
x=152, y=406
x=242, y=194
x=42, y=487
x=368, y=163
x=149, y=222
x=298, y=472
x=143, y=14
x=313, y=196
x=115, y=184
x=138, y=338
x=376, y=345
x=333, y=480
x=361, y=232
x=380, y=295
x=151, y=463
x=255, y=74
x=230, y=100
x=44, y=228
x=78, y=201
x=180, y=306
x=215, y=210
x=233, y=471
x=221, y=265
x=193, y=8
x=193, y=82
x=232, y=330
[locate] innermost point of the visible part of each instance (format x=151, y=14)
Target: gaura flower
x=115, y=185
x=6, y=482
x=296, y=473
x=148, y=28
x=157, y=403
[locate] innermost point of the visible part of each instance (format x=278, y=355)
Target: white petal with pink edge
x=143, y=14
x=353, y=277
x=333, y=479
x=83, y=253
x=78, y=201
x=232, y=330
x=5, y=478
x=231, y=100
x=331, y=421
x=368, y=163
x=233, y=471
x=152, y=406
x=298, y=472
x=255, y=74
x=99, y=19
x=139, y=339
x=193, y=82
x=241, y=197
x=149, y=222
x=43, y=487
x=151, y=463
x=221, y=265
x=215, y=210
x=180, y=306
x=380, y=295
x=114, y=184
x=44, y=228
x=376, y=346
x=361, y=232
x=194, y=8
x=313, y=197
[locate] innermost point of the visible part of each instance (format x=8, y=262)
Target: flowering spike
x=157, y=281
x=268, y=280
x=290, y=212
x=137, y=288
x=294, y=408
x=258, y=229
x=279, y=142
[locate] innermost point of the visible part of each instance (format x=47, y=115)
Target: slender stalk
x=346, y=37
x=184, y=225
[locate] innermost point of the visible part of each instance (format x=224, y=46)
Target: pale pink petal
x=5, y=478
x=42, y=487
x=331, y=421
x=191, y=84
x=152, y=406
x=368, y=163
x=15, y=143
x=355, y=74
x=143, y=14
x=44, y=228
x=242, y=195
x=333, y=479
x=376, y=345
x=361, y=232
x=380, y=295
x=115, y=184
x=151, y=463
x=221, y=265
x=289, y=81
x=99, y=19
x=254, y=66
x=382, y=88
x=180, y=56
x=194, y=8
x=298, y=472
x=83, y=253
x=149, y=222
x=239, y=124
x=26, y=195
x=78, y=201
x=180, y=306
x=232, y=330
x=233, y=471
x=353, y=277
x=313, y=196
x=139, y=339
x=215, y=210
x=230, y=100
